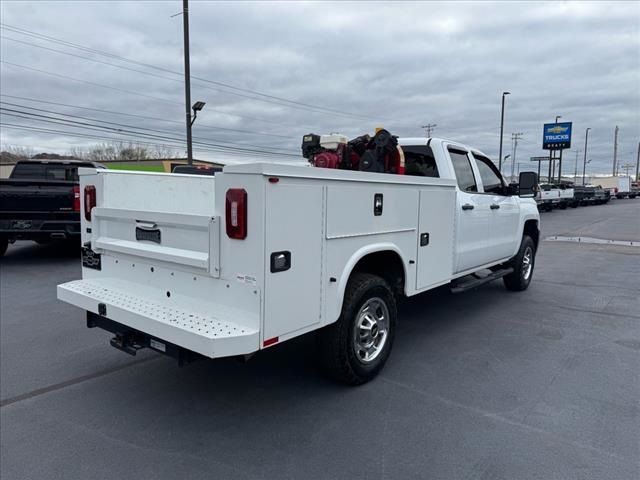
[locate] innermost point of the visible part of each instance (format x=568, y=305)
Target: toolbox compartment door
x=293, y=296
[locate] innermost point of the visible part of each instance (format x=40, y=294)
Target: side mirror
x=511, y=189
x=528, y=182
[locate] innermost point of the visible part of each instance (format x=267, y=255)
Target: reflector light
x=76, y=198
x=236, y=213
x=89, y=201
x=270, y=341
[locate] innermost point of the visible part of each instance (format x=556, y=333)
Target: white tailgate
x=177, y=209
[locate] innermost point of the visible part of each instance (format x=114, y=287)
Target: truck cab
x=260, y=253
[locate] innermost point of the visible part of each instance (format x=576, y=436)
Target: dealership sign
x=556, y=136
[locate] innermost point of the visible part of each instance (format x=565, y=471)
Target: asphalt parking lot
x=489, y=384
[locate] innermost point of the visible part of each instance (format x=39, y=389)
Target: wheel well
x=386, y=264
x=531, y=229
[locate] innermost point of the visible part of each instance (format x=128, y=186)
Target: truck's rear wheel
x=355, y=348
x=4, y=244
x=522, y=264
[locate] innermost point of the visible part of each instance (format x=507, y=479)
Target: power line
x=100, y=128
x=67, y=77
x=175, y=80
x=131, y=92
x=111, y=112
x=123, y=125
x=265, y=97
x=123, y=140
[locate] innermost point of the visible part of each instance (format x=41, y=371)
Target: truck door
x=504, y=218
x=473, y=214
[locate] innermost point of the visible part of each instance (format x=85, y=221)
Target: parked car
x=567, y=196
x=601, y=195
x=40, y=201
x=548, y=197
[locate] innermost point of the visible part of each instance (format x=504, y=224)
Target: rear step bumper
x=220, y=332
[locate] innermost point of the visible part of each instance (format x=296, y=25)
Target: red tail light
x=236, y=213
x=89, y=201
x=76, y=198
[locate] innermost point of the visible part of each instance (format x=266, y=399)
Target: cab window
x=62, y=172
x=464, y=172
x=489, y=174
x=419, y=160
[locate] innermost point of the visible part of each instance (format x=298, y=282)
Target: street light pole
x=615, y=152
x=584, y=164
x=501, y=131
x=187, y=79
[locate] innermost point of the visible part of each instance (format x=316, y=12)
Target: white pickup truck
x=261, y=253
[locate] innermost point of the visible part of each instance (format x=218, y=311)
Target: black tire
x=337, y=342
x=563, y=206
x=4, y=244
x=520, y=278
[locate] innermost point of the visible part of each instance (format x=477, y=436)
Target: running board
x=474, y=281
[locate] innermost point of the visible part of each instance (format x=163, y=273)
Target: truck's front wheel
x=522, y=264
x=355, y=348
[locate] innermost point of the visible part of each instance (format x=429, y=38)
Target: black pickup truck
x=40, y=201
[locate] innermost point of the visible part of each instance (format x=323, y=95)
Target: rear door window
x=464, y=172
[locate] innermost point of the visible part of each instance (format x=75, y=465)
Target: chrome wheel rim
x=527, y=263
x=371, y=330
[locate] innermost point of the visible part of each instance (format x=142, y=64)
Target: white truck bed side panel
x=435, y=260
x=242, y=261
x=350, y=210
x=294, y=223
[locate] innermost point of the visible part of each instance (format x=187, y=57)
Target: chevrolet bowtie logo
x=558, y=129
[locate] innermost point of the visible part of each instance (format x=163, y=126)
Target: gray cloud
x=396, y=64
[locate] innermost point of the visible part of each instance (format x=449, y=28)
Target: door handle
x=467, y=206
x=495, y=206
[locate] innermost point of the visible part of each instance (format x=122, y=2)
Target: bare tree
x=125, y=151
x=13, y=152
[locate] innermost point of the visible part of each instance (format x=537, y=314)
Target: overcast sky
x=400, y=65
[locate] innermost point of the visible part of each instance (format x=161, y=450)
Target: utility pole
x=514, y=137
x=501, y=131
x=187, y=79
x=638, y=164
x=575, y=167
x=615, y=152
x=429, y=127
x=627, y=167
